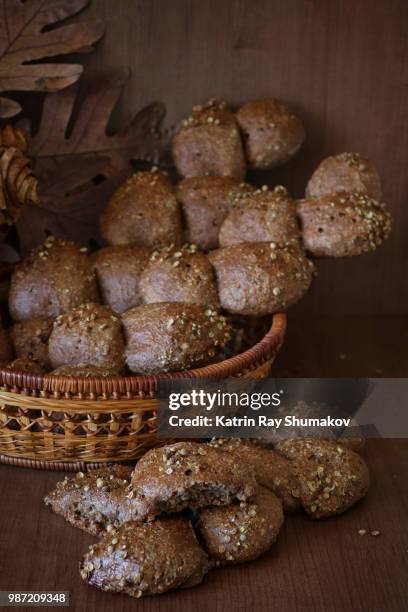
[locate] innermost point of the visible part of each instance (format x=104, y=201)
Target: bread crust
x=242, y=531
x=332, y=478
x=91, y=335
x=146, y=559
x=54, y=278
x=263, y=216
x=189, y=475
x=345, y=172
x=272, y=133
x=260, y=278
x=271, y=470
x=30, y=339
x=209, y=143
x=206, y=201
x=172, y=336
x=94, y=501
x=118, y=271
x=343, y=224
x=179, y=275
x=143, y=211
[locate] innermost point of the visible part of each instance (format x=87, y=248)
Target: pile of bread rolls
x=181, y=259
x=189, y=507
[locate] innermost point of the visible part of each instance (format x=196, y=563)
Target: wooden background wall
x=342, y=64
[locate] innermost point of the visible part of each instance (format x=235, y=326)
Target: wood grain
x=318, y=566
x=341, y=64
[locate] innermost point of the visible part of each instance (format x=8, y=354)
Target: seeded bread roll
x=260, y=278
x=172, y=336
x=84, y=371
x=343, y=224
x=90, y=335
x=345, y=172
x=95, y=501
x=179, y=275
x=6, y=352
x=331, y=477
x=209, y=143
x=272, y=133
x=30, y=339
x=118, y=270
x=206, y=201
x=143, y=211
x=25, y=364
x=242, y=531
x=271, y=469
x=146, y=559
x=189, y=475
x=53, y=279
x=264, y=216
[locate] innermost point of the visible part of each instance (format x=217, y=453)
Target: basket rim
x=269, y=345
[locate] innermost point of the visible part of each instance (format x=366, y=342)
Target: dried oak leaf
x=79, y=165
x=30, y=31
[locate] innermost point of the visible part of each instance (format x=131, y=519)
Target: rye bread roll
x=94, y=501
x=343, y=224
x=271, y=470
x=146, y=559
x=189, y=475
x=6, y=352
x=172, y=336
x=179, y=275
x=91, y=335
x=206, y=201
x=30, y=339
x=25, y=364
x=345, y=172
x=209, y=143
x=143, y=211
x=331, y=477
x=263, y=216
x=242, y=531
x=260, y=278
x=54, y=278
x=272, y=133
x=118, y=270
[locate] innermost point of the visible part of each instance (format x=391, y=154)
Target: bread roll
x=206, y=200
x=343, y=224
x=345, y=172
x=143, y=211
x=90, y=335
x=53, y=279
x=30, y=339
x=331, y=477
x=260, y=278
x=118, y=270
x=242, y=531
x=272, y=133
x=263, y=216
x=209, y=143
x=179, y=275
x=146, y=558
x=172, y=336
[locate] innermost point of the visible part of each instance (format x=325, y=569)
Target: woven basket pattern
x=59, y=422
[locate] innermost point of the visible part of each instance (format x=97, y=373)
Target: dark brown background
x=342, y=64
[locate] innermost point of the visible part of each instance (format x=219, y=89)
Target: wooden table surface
x=321, y=566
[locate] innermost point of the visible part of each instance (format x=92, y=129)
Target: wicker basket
x=72, y=423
